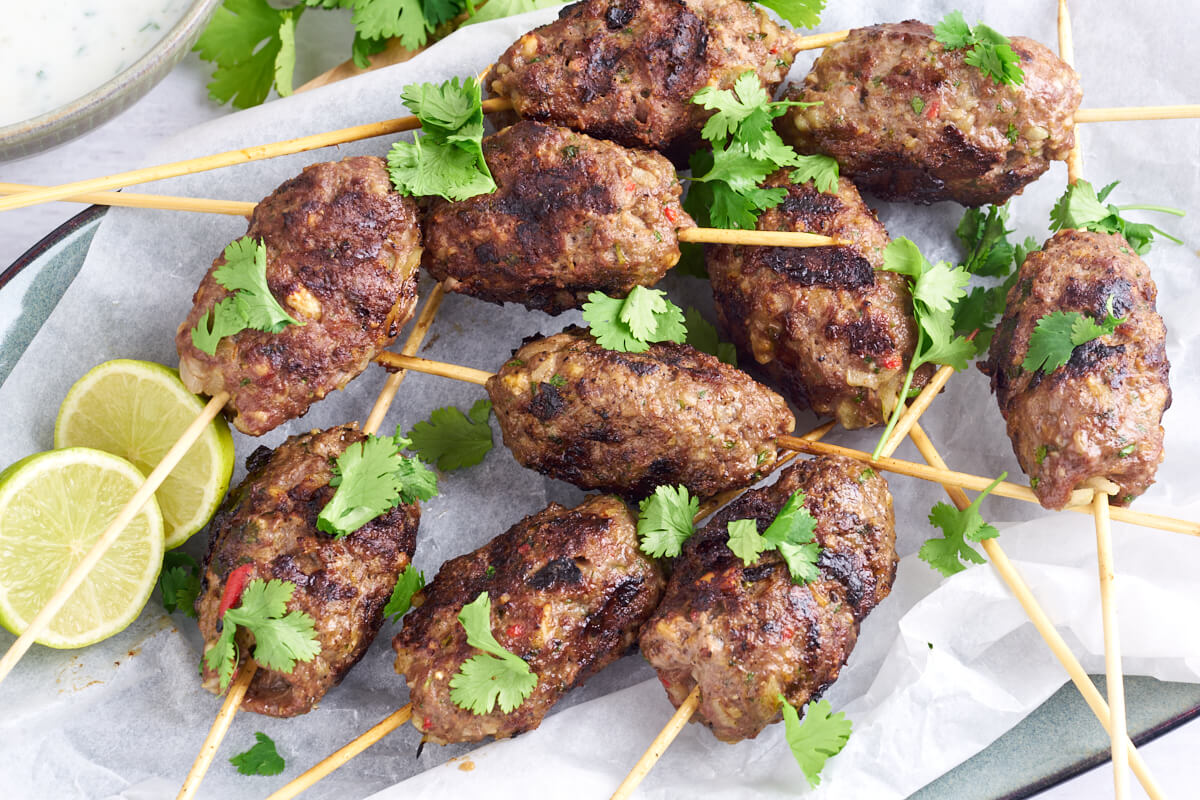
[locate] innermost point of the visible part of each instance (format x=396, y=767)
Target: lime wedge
x=53, y=508
x=137, y=410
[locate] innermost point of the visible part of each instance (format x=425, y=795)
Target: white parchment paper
x=941, y=669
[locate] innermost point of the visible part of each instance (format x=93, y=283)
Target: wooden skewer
x=110, y=534
x=915, y=409
x=411, y=345
x=1137, y=113
x=1058, y=646
x=654, y=752
x=220, y=726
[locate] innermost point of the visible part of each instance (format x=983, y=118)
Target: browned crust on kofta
x=1100, y=415
x=571, y=215
x=746, y=635
x=342, y=257
x=629, y=422
x=269, y=521
x=569, y=591
x=827, y=325
x=963, y=138
x=626, y=70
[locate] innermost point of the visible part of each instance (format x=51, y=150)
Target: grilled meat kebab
x=745, y=635
x=828, y=326
x=626, y=70
x=569, y=591
x=269, y=523
x=908, y=119
x=571, y=215
x=1099, y=415
x=342, y=256
x=629, y=422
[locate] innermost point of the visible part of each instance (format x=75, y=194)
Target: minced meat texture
x=342, y=256
x=745, y=635
x=569, y=591
x=909, y=120
x=626, y=70
x=629, y=422
x=826, y=325
x=270, y=521
x=1099, y=415
x=571, y=215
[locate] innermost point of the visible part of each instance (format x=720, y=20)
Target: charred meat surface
x=629, y=422
x=909, y=120
x=745, y=635
x=342, y=257
x=626, y=70
x=1099, y=415
x=571, y=215
x=569, y=590
x=827, y=325
x=270, y=522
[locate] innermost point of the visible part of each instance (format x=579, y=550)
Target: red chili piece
x=933, y=110
x=892, y=362
x=514, y=630
x=669, y=213
x=235, y=584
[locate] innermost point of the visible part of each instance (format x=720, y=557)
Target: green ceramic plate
x=1028, y=759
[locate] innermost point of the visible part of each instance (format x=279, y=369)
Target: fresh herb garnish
x=254, y=48
x=666, y=521
x=801, y=13
x=958, y=528
x=820, y=737
x=991, y=51
x=990, y=254
x=409, y=583
x=372, y=478
x=936, y=289
x=261, y=759
x=446, y=157
x=791, y=533
x=281, y=637
x=451, y=439
x=629, y=325
x=1081, y=207
x=1058, y=333
x=250, y=306
x=179, y=583
x=494, y=676
x=702, y=335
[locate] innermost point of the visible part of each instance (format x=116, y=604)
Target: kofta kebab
x=573, y=215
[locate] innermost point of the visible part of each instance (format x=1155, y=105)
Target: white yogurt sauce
x=56, y=51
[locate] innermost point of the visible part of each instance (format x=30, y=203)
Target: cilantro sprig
x=936, y=290
x=494, y=676
x=989, y=254
x=446, y=158
x=250, y=306
x=819, y=737
x=409, y=583
x=281, y=637
x=179, y=583
x=948, y=553
x=1058, y=333
x=372, y=478
x=991, y=51
x=801, y=13
x=726, y=186
x=261, y=759
x=1083, y=208
x=791, y=533
x=451, y=439
x=667, y=520
x=702, y=335
x=631, y=324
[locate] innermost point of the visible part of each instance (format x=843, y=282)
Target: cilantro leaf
x=179, y=583
x=1058, y=333
x=498, y=9
x=629, y=325
x=666, y=521
x=745, y=541
x=261, y=759
x=940, y=287
x=986, y=239
x=946, y=554
x=253, y=46
x=732, y=109
x=451, y=439
x=372, y=478
x=702, y=335
x=800, y=13
x=990, y=51
x=791, y=534
x=362, y=49
x=281, y=637
x=388, y=19
x=409, y=583
x=821, y=170
x=496, y=675
x=1082, y=208
x=820, y=737
x=250, y=306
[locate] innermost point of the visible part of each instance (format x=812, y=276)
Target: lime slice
x=53, y=508
x=137, y=410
